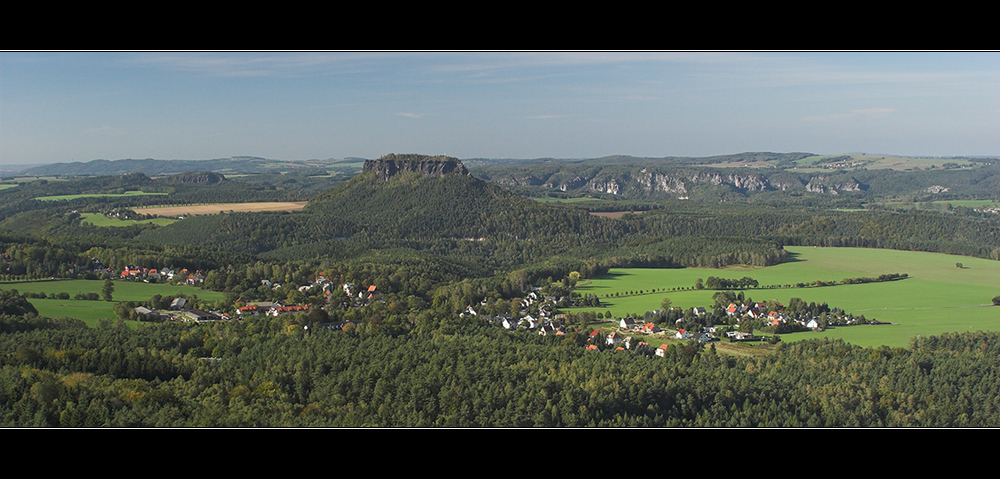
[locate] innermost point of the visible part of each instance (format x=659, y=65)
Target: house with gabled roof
x=509, y=323
x=546, y=330
x=661, y=351
x=178, y=304
x=530, y=322
x=288, y=309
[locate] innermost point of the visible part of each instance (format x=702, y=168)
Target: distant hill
x=742, y=175
x=152, y=167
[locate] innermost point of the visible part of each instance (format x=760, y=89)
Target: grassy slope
x=936, y=298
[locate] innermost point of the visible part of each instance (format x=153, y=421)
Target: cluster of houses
x=545, y=321
x=178, y=311
x=620, y=341
x=152, y=275
x=147, y=275
x=759, y=311
x=359, y=296
x=269, y=308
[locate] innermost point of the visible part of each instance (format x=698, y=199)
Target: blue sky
x=80, y=106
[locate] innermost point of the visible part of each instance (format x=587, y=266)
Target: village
x=739, y=322
x=537, y=312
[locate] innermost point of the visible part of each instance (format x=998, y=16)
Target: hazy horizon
x=64, y=107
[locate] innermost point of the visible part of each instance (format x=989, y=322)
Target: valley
x=500, y=294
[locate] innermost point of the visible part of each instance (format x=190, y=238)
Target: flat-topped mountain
x=390, y=164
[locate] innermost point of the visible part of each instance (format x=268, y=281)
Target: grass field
x=568, y=200
x=98, y=219
x=124, y=290
x=91, y=311
x=216, y=208
x=102, y=195
x=942, y=205
x=614, y=214
x=88, y=311
x=873, y=162
x=937, y=297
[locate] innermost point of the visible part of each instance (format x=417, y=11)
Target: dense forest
x=268, y=373
x=432, y=246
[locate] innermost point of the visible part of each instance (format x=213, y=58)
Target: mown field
x=217, y=208
x=95, y=195
x=91, y=311
x=942, y=205
x=98, y=219
x=890, y=162
x=937, y=296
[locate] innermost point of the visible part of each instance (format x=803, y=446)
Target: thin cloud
x=249, y=64
x=874, y=111
x=851, y=114
x=105, y=130
x=545, y=117
x=410, y=115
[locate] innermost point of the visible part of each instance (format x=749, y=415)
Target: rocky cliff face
x=675, y=183
x=389, y=165
x=821, y=184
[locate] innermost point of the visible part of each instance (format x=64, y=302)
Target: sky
x=70, y=106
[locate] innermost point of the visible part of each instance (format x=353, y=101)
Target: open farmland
x=91, y=311
x=87, y=311
x=124, y=290
x=95, y=195
x=216, y=208
x=98, y=219
x=937, y=296
x=614, y=214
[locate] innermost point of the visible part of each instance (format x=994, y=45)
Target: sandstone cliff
x=391, y=164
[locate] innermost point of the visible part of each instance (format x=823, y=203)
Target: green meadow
x=88, y=311
x=124, y=290
x=937, y=296
x=101, y=195
x=98, y=219
x=582, y=199
x=91, y=311
x=943, y=205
